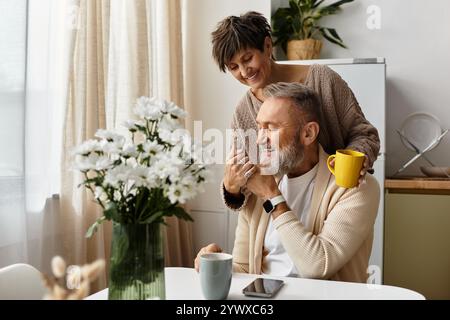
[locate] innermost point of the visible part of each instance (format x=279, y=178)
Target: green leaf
x=297, y=25
x=93, y=229
x=334, y=34
x=316, y=4
x=295, y=7
x=180, y=213
x=153, y=218
x=333, y=8
x=111, y=212
x=339, y=3
x=331, y=39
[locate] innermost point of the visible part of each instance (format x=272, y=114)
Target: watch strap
x=277, y=200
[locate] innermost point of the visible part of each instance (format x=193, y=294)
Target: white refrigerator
x=367, y=79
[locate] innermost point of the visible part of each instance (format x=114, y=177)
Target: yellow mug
x=347, y=167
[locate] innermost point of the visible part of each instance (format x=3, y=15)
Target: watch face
x=268, y=207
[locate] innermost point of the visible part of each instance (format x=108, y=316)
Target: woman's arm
x=236, y=202
x=358, y=133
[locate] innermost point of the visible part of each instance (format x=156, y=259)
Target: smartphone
x=265, y=288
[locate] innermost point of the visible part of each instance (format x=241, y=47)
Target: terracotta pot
x=304, y=49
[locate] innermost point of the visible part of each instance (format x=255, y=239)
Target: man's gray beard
x=291, y=156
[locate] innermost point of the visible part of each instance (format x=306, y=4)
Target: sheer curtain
x=123, y=50
x=35, y=60
x=67, y=68
x=12, y=109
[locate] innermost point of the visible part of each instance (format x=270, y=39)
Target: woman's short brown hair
x=237, y=33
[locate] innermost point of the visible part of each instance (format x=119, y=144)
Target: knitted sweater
x=344, y=123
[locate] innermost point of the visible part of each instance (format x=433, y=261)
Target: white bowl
x=437, y=172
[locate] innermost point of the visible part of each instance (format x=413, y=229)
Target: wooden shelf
x=420, y=185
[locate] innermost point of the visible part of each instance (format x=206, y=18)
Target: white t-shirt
x=298, y=193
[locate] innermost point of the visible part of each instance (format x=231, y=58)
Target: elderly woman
x=243, y=46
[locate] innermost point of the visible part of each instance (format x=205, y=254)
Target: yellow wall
x=417, y=243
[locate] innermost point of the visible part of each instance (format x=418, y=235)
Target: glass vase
x=136, y=269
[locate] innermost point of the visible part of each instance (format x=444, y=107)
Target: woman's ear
x=310, y=133
x=268, y=46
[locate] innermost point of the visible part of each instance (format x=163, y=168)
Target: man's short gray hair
x=305, y=99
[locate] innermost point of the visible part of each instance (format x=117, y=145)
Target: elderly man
x=299, y=222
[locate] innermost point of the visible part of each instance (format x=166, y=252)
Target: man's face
x=279, y=136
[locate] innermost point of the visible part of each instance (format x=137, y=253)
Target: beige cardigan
x=340, y=243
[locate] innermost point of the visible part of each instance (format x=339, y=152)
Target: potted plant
x=296, y=28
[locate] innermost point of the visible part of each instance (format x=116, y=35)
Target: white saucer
x=421, y=129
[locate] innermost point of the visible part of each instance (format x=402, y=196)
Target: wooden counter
x=418, y=185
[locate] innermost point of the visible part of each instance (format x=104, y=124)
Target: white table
x=184, y=284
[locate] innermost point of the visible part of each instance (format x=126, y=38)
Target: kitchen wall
x=414, y=38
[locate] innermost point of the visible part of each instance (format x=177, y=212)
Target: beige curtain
x=123, y=49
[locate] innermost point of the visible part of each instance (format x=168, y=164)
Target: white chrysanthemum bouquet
x=144, y=178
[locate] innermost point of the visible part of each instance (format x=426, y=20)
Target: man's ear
x=310, y=133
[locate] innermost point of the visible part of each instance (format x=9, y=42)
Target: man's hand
x=212, y=248
x=263, y=186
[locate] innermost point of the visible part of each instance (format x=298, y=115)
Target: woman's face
x=252, y=67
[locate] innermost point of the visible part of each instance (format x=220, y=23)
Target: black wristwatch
x=270, y=205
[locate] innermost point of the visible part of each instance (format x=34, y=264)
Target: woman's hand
x=212, y=248
x=362, y=174
x=237, y=171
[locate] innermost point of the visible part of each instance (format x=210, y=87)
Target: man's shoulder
x=369, y=189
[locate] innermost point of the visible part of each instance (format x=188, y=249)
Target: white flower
x=132, y=125
x=110, y=148
x=108, y=135
x=87, y=147
x=153, y=179
x=103, y=163
x=146, y=109
x=169, y=123
x=165, y=135
x=178, y=112
x=129, y=151
x=117, y=195
x=139, y=176
x=100, y=194
x=174, y=137
x=131, y=162
x=167, y=168
x=180, y=193
x=117, y=175
x=152, y=148
x=172, y=108
x=88, y=163
x=205, y=174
